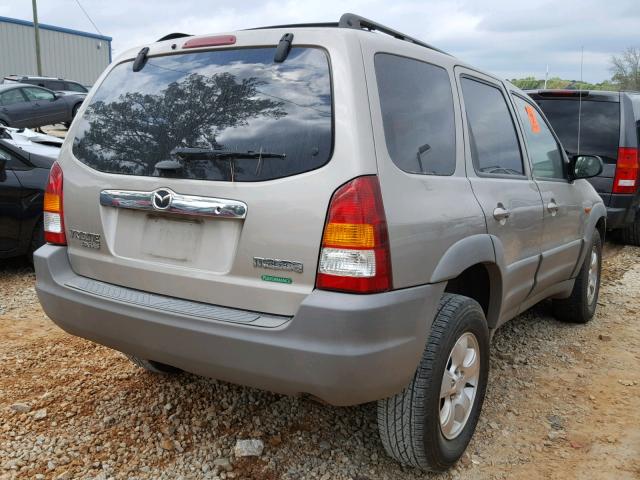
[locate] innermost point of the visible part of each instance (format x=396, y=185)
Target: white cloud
x=508, y=38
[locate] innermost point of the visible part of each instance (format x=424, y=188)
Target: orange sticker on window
x=533, y=121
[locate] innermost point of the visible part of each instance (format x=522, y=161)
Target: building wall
x=67, y=54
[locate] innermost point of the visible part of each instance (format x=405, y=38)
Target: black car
x=23, y=105
x=23, y=179
x=52, y=83
x=609, y=125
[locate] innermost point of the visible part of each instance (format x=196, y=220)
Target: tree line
x=625, y=75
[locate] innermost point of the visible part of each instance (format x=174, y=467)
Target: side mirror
x=585, y=166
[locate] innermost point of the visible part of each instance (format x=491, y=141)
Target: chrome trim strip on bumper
x=178, y=204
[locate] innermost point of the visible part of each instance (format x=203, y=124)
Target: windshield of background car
x=599, y=126
x=236, y=100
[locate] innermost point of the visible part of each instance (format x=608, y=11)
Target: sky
x=512, y=39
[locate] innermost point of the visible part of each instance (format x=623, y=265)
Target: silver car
x=333, y=210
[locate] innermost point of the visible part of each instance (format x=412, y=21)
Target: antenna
x=580, y=98
x=546, y=76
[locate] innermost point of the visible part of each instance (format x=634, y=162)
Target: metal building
x=65, y=53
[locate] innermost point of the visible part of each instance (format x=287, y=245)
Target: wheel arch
x=597, y=220
x=470, y=268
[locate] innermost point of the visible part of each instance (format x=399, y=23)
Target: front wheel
x=430, y=423
x=580, y=306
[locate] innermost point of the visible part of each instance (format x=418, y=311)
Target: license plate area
x=171, y=238
x=202, y=243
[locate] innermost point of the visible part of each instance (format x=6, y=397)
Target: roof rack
x=351, y=20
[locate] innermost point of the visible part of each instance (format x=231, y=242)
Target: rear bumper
x=343, y=349
x=622, y=210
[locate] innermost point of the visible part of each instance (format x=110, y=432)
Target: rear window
x=599, y=126
x=249, y=118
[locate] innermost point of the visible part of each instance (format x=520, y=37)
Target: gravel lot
x=563, y=402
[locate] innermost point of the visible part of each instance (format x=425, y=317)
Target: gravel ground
x=563, y=402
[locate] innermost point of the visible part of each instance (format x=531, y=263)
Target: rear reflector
x=627, y=169
x=53, y=217
x=355, y=253
x=210, y=41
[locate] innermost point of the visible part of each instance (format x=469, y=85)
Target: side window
x=54, y=85
x=75, y=87
x=417, y=114
x=34, y=94
x=492, y=135
x=546, y=157
x=11, y=97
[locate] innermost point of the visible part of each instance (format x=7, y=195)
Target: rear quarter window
x=226, y=102
x=417, y=114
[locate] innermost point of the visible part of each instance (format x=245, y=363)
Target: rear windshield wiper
x=191, y=153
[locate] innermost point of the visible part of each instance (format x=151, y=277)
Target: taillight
x=53, y=211
x=627, y=169
x=355, y=246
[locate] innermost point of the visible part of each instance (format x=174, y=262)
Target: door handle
x=501, y=214
x=552, y=207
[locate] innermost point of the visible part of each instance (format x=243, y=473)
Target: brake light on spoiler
x=215, y=41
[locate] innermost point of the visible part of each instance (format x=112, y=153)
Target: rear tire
x=630, y=235
x=153, y=366
x=418, y=426
x=581, y=305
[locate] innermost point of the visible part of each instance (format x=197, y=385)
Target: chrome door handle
x=501, y=214
x=552, y=207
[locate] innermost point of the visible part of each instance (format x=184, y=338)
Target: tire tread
x=401, y=418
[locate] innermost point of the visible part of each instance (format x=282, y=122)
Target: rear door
x=501, y=181
x=564, y=213
x=238, y=231
x=16, y=107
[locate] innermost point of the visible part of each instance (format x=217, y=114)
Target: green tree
x=626, y=69
x=527, y=83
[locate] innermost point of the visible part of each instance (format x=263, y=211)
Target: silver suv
x=333, y=210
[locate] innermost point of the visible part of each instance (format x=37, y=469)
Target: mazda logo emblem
x=161, y=199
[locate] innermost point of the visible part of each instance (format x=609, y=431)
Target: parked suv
x=609, y=127
x=323, y=210
x=52, y=83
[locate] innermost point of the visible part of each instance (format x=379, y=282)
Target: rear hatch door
x=207, y=174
